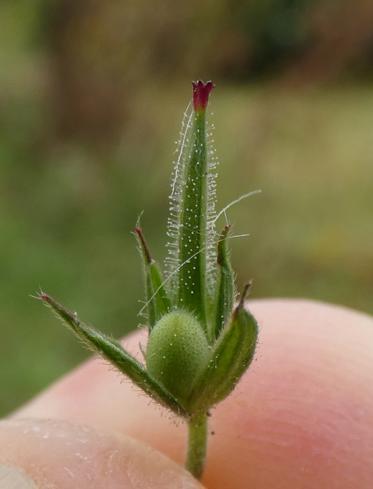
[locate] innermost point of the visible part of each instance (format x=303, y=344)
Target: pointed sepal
x=229, y=359
x=225, y=293
x=194, y=220
x=201, y=93
x=193, y=225
x=157, y=300
x=112, y=351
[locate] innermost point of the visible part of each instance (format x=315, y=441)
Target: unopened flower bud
x=201, y=92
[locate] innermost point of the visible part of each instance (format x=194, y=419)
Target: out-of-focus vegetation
x=91, y=94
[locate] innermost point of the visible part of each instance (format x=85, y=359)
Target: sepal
x=229, y=359
x=112, y=351
x=225, y=293
x=157, y=300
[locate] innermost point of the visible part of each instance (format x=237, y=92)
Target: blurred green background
x=91, y=95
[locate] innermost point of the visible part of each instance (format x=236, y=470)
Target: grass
x=67, y=212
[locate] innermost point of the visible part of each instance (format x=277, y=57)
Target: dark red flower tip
x=201, y=92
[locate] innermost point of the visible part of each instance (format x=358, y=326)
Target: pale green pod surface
x=177, y=351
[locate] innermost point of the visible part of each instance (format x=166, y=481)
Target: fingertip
x=302, y=416
x=44, y=453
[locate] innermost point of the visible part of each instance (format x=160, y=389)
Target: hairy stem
x=197, y=444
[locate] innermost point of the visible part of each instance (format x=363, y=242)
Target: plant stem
x=197, y=444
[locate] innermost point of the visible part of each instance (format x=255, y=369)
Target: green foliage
x=276, y=31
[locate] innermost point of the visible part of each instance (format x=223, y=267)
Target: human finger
x=302, y=416
x=46, y=454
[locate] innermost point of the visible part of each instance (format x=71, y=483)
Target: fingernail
x=12, y=478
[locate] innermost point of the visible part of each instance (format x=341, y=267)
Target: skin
x=301, y=417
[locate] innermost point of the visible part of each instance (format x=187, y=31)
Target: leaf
x=225, y=293
x=229, y=359
x=157, y=300
x=112, y=351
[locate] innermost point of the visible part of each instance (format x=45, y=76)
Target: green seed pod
x=177, y=351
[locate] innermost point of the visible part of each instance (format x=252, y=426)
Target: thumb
x=40, y=454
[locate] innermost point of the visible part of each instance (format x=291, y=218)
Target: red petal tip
x=201, y=92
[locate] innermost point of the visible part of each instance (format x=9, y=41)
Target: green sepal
x=229, y=359
x=157, y=300
x=193, y=222
x=112, y=351
x=225, y=292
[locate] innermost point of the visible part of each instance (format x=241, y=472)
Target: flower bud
x=177, y=351
x=201, y=93
x=194, y=224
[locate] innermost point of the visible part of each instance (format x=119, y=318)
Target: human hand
x=301, y=417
